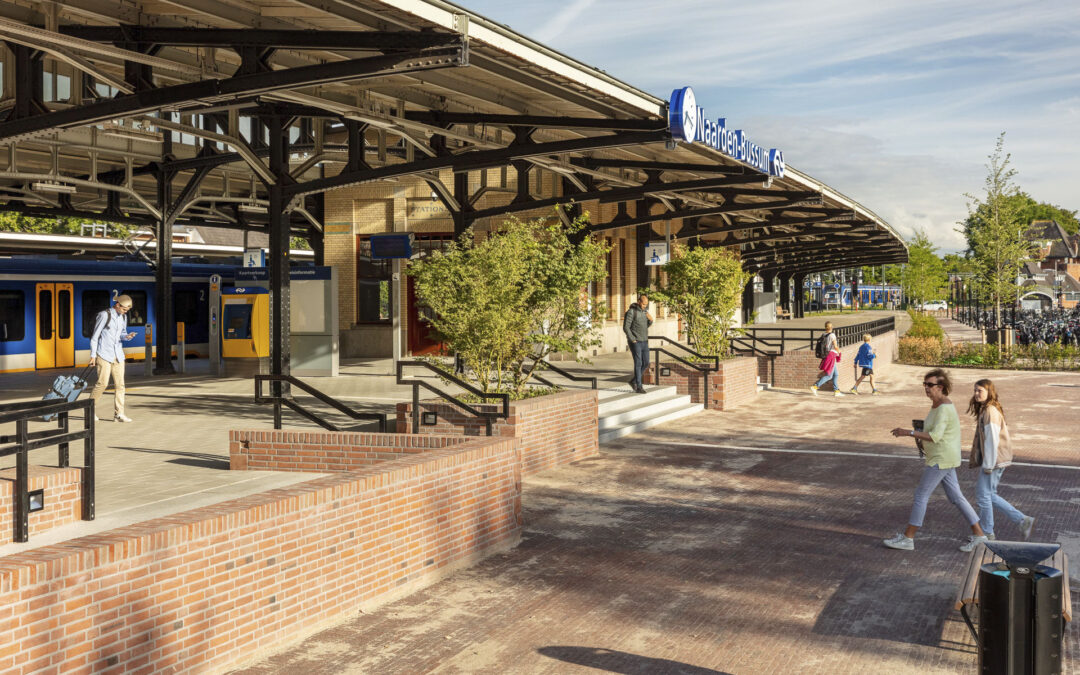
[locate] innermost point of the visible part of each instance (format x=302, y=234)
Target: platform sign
x=656, y=253
x=391, y=246
x=254, y=257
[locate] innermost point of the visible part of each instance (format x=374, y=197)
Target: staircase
x=623, y=412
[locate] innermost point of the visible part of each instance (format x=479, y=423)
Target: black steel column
x=279, y=252
x=163, y=290
x=797, y=283
x=785, y=291
x=642, y=235
x=748, y=301
x=767, y=282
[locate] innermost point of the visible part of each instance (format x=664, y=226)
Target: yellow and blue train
x=48, y=306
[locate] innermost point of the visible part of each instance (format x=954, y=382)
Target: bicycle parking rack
x=23, y=441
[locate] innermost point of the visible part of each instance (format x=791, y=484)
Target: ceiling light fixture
x=121, y=130
x=49, y=186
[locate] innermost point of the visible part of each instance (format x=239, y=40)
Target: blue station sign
x=688, y=124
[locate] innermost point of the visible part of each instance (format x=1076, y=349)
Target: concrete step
x=632, y=412
x=634, y=427
x=613, y=400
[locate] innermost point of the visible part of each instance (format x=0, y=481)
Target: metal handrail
x=23, y=441
x=278, y=400
x=703, y=368
x=845, y=335
x=568, y=375
x=487, y=416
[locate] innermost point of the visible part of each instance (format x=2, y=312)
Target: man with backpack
x=828, y=350
x=107, y=353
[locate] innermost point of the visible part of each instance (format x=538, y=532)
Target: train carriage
x=48, y=307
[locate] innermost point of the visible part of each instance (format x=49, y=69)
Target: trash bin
x=1020, y=618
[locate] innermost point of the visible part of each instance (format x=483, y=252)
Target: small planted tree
x=704, y=286
x=513, y=296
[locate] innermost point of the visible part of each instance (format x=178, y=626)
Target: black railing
x=777, y=341
x=278, y=399
x=487, y=415
x=708, y=364
x=548, y=365
x=23, y=441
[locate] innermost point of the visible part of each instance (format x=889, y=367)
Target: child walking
x=865, y=360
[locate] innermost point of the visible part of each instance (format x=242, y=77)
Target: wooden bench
x=969, y=591
x=782, y=313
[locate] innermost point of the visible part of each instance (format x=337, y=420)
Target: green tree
x=924, y=275
x=512, y=296
x=996, y=230
x=11, y=221
x=1027, y=210
x=704, y=287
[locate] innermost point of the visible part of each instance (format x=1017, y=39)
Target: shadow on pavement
x=622, y=662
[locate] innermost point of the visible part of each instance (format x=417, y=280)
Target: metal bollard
x=180, y=346
x=148, y=361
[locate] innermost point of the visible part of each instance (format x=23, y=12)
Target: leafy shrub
x=924, y=326
x=921, y=351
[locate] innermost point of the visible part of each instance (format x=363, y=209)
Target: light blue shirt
x=105, y=341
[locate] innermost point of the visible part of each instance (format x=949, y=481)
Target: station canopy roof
x=160, y=110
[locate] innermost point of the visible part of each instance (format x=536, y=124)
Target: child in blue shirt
x=865, y=360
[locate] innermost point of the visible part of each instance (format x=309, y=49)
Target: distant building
x=1052, y=279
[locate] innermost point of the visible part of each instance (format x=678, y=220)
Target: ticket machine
x=245, y=323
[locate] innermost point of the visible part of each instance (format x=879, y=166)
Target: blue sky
x=896, y=104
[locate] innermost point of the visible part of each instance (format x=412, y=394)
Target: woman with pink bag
x=830, y=361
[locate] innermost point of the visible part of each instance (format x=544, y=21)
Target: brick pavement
x=703, y=547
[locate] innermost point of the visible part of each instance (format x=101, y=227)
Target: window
x=136, y=316
x=92, y=303
x=12, y=316
x=45, y=313
x=63, y=314
x=186, y=306
x=237, y=321
x=373, y=286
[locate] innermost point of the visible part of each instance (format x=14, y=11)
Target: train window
x=137, y=315
x=12, y=316
x=63, y=314
x=187, y=307
x=45, y=315
x=92, y=303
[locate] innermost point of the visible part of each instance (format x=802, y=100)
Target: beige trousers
x=104, y=370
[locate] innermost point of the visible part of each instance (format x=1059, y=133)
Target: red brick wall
x=323, y=452
x=63, y=499
x=735, y=383
x=200, y=590
x=554, y=429
x=799, y=369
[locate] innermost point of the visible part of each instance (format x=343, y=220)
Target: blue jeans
x=640, y=350
x=986, y=498
x=929, y=481
x=834, y=375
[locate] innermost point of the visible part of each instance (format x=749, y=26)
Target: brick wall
x=63, y=499
x=201, y=590
x=554, y=429
x=734, y=384
x=324, y=452
x=799, y=369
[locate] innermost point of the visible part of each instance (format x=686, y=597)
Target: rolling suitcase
x=66, y=388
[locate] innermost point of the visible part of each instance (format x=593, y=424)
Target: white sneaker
x=122, y=418
x=1025, y=527
x=973, y=541
x=838, y=393
x=813, y=389
x=900, y=542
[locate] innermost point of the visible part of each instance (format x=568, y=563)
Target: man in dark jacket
x=636, y=324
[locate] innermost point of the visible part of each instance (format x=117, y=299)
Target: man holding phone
x=107, y=353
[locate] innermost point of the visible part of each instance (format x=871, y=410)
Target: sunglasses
x=930, y=385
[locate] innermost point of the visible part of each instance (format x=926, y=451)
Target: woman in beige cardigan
x=991, y=453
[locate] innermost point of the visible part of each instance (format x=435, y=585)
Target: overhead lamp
x=50, y=186
x=252, y=208
x=121, y=130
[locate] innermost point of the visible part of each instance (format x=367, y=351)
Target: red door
x=421, y=336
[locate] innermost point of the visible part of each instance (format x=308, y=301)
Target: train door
x=55, y=320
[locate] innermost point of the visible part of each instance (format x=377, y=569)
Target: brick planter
x=554, y=429
x=201, y=590
x=735, y=383
x=63, y=499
